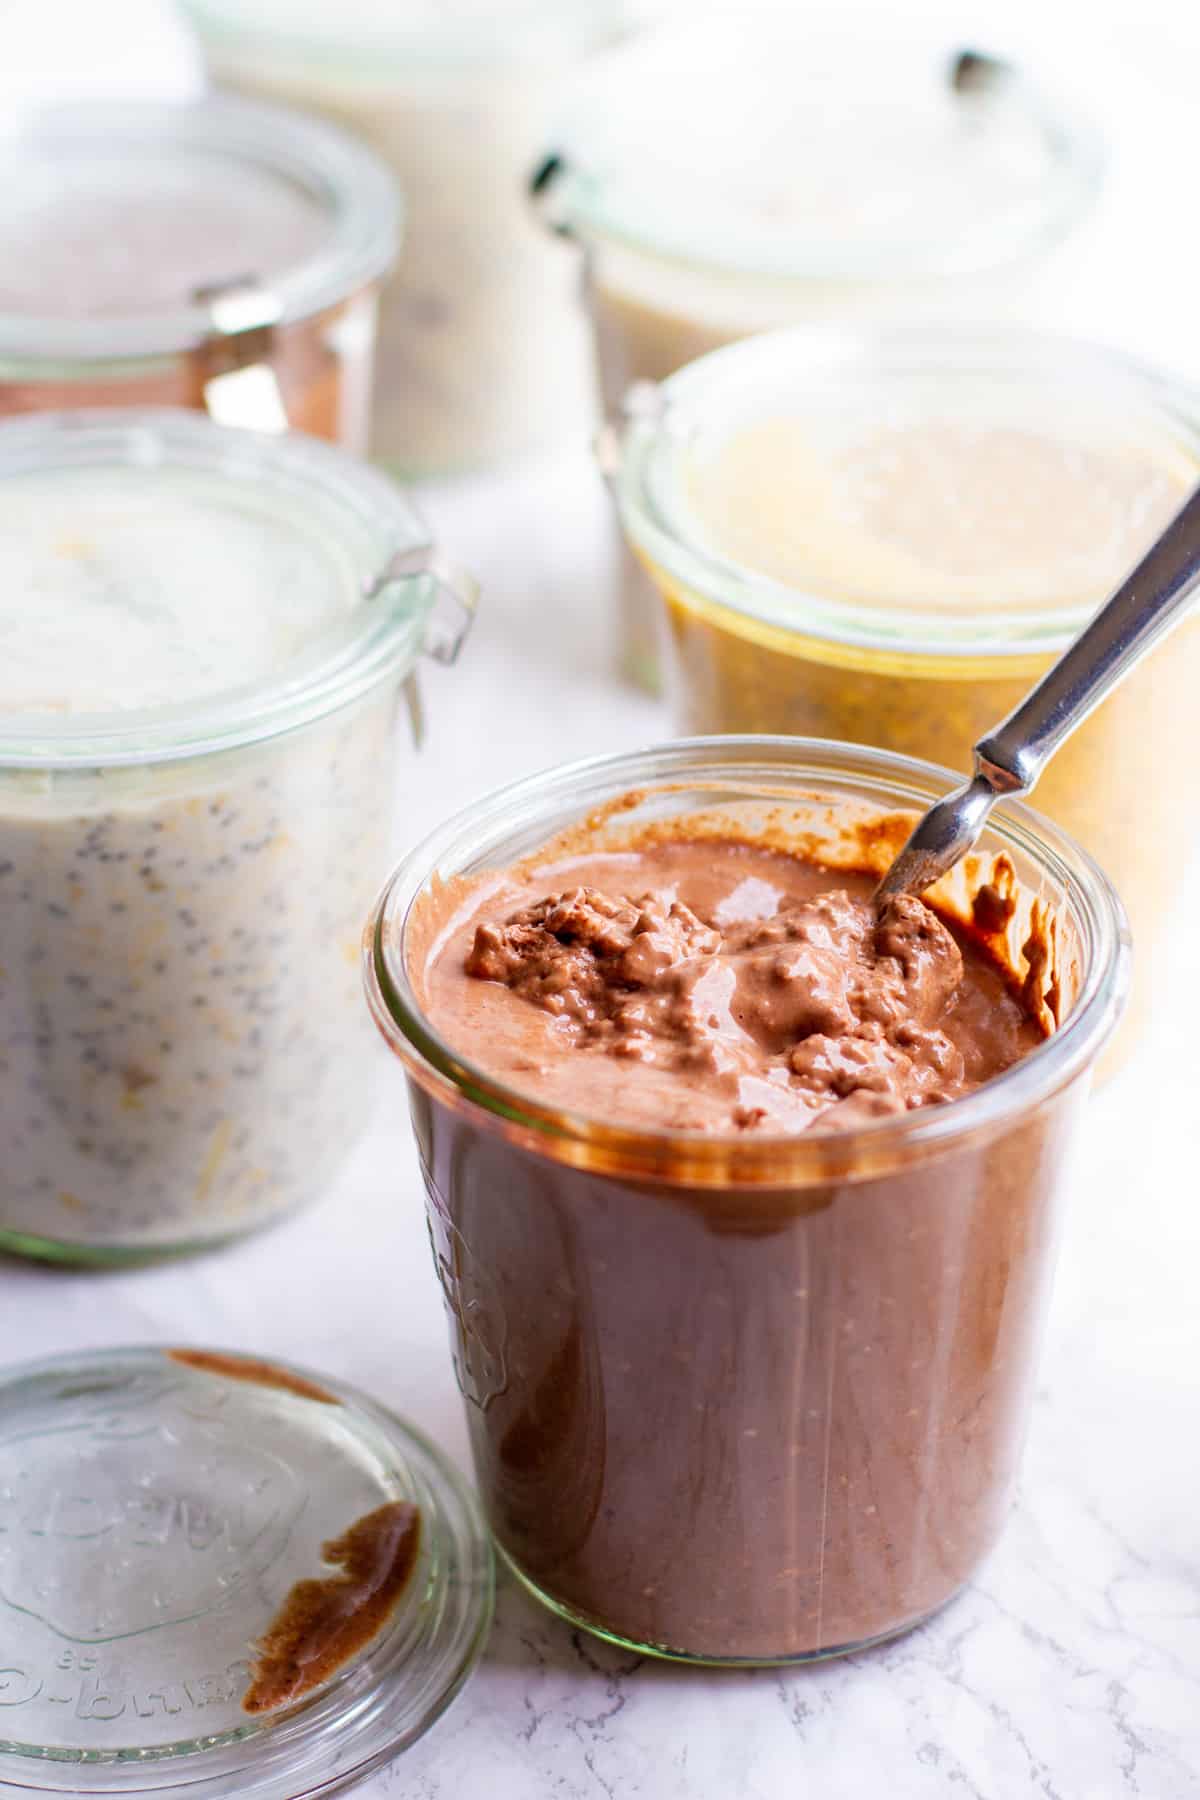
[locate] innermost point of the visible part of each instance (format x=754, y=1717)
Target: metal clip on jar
x=215, y=254
x=196, y=798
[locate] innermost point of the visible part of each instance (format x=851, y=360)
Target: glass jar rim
x=642, y=452
x=399, y=575
x=344, y=178
x=573, y=791
x=527, y=33
x=598, y=196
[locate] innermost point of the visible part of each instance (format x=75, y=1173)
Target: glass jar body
x=321, y=366
x=183, y=1058
x=461, y=378
x=739, y=1426
x=746, y=1400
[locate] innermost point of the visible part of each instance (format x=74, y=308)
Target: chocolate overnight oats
x=742, y=1192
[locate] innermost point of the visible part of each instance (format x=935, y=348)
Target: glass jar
x=887, y=538
x=744, y=179
x=757, y=1398
x=212, y=254
x=483, y=342
x=205, y=634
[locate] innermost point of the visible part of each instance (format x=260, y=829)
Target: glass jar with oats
x=204, y=636
x=886, y=537
x=483, y=351
x=214, y=254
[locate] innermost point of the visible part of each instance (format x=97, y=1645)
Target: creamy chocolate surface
x=718, y=987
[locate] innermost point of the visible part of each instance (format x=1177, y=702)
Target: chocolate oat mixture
x=733, y=1417
x=720, y=987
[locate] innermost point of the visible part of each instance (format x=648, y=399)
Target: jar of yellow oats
x=886, y=537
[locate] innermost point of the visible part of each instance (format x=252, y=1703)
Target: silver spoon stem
x=1010, y=758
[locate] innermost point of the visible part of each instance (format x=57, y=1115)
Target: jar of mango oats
x=740, y=181
x=885, y=538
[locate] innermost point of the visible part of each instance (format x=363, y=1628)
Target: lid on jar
x=169, y=586
x=933, y=492
x=429, y=35
x=760, y=147
x=223, y=1574
x=133, y=229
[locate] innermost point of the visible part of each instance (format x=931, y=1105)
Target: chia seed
x=261, y=1083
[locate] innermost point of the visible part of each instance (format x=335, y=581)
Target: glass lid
x=759, y=145
x=170, y=586
x=925, y=490
x=418, y=35
x=124, y=224
x=220, y=1575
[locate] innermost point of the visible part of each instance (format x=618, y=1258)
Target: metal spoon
x=1010, y=758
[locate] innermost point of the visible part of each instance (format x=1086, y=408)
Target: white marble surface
x=1071, y=1668
x=1069, y=1671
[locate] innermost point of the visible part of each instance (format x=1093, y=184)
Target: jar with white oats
x=204, y=634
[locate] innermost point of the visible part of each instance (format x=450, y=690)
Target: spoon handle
x=1146, y=604
x=1010, y=758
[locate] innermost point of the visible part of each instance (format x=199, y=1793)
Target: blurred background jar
x=483, y=340
x=211, y=253
x=205, y=633
x=885, y=538
x=755, y=170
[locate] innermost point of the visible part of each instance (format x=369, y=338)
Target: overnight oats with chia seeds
x=203, y=636
x=215, y=254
